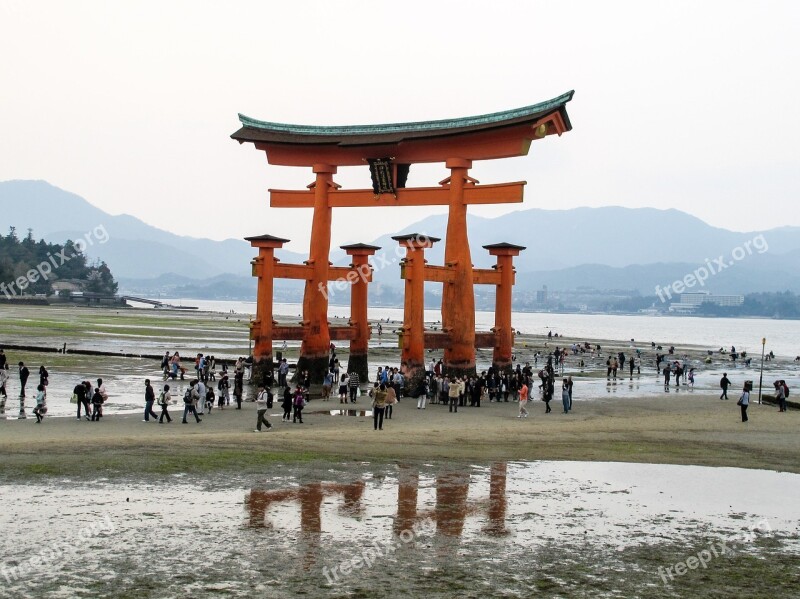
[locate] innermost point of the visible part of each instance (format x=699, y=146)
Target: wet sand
x=627, y=421
x=676, y=429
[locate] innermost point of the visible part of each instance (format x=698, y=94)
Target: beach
x=631, y=419
x=607, y=500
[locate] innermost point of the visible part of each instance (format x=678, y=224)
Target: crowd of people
x=216, y=385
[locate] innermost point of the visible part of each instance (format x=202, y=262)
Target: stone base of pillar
x=459, y=370
x=358, y=363
x=264, y=373
x=317, y=366
x=414, y=375
x=503, y=367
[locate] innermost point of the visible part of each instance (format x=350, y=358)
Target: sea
x=745, y=334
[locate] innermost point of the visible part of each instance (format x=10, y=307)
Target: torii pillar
x=412, y=356
x=504, y=334
x=458, y=296
x=315, y=348
x=261, y=327
x=359, y=344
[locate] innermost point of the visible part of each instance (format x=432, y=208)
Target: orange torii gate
x=390, y=150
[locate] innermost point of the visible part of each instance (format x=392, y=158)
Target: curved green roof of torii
x=254, y=130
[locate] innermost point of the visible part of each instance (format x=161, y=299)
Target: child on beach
x=97, y=405
x=41, y=406
x=210, y=399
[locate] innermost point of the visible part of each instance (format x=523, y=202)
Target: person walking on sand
x=163, y=401
x=569, y=385
x=299, y=402
x=724, y=383
x=286, y=404
x=743, y=402
x=41, y=406
x=565, y=397
x=262, y=407
x=201, y=394
x=453, y=392
x=3, y=394
x=238, y=388
x=101, y=389
x=24, y=373
x=391, y=399
x=190, y=398
x=44, y=376
x=97, y=404
x=780, y=396
x=523, y=399
x=81, y=393
x=378, y=406
x=667, y=373
x=327, y=383
x=353, y=383
x=223, y=386
x=149, y=400
x=3, y=381
x=343, y=388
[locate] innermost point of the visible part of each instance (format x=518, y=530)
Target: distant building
x=689, y=302
x=541, y=295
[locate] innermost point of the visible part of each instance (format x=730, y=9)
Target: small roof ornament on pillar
x=504, y=249
x=266, y=241
x=419, y=240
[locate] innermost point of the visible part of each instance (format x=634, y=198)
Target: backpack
x=187, y=396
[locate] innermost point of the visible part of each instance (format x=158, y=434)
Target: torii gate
x=390, y=150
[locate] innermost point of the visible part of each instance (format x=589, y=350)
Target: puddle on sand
x=432, y=530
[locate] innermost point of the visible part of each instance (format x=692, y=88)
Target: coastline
x=626, y=421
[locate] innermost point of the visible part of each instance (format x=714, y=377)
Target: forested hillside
x=30, y=267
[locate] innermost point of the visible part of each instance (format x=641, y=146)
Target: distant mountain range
x=609, y=248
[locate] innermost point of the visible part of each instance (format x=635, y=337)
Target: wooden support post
x=458, y=297
x=261, y=328
x=412, y=340
x=504, y=334
x=359, y=277
x=315, y=348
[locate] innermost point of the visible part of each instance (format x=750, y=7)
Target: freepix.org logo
x=46, y=268
x=701, y=274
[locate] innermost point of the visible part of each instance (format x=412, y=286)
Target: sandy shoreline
x=634, y=421
x=689, y=429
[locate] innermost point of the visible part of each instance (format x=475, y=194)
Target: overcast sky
x=689, y=105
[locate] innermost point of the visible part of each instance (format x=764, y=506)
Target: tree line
x=30, y=267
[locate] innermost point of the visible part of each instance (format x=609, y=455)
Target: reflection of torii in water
x=449, y=513
x=452, y=507
x=310, y=497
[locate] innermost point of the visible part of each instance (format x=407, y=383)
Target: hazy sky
x=691, y=105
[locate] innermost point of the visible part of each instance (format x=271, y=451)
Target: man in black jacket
x=24, y=373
